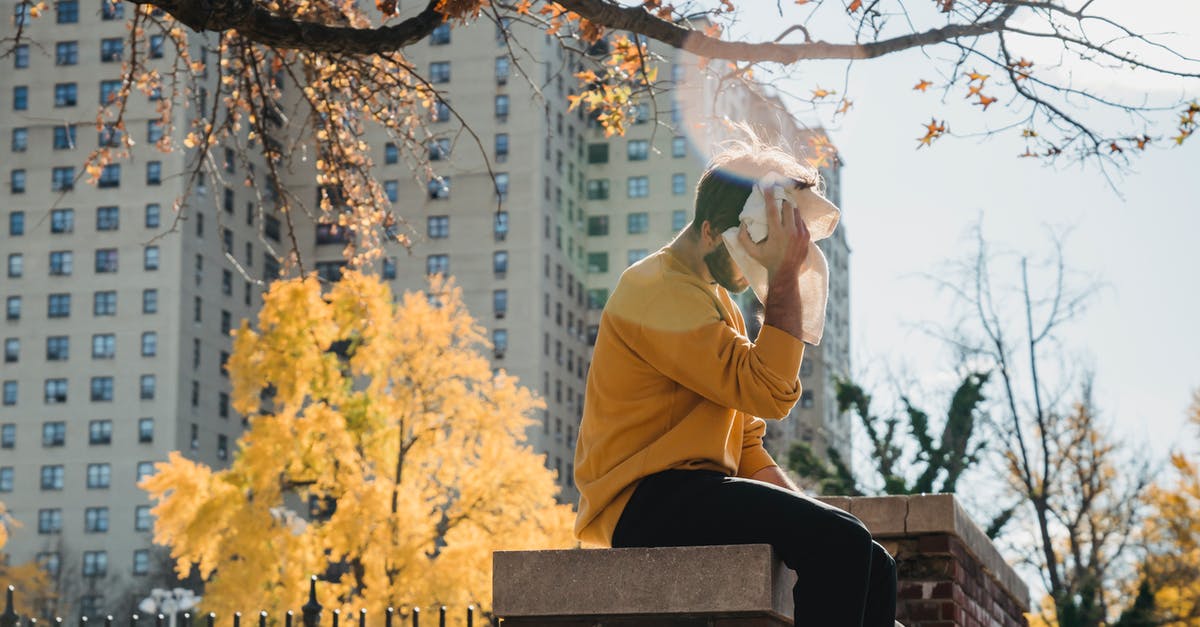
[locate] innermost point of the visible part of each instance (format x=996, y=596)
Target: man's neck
x=686, y=248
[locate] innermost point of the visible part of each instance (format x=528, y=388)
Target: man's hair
x=730, y=176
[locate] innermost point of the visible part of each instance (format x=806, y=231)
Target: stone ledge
x=750, y=580
x=911, y=516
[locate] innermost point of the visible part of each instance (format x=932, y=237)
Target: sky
x=908, y=213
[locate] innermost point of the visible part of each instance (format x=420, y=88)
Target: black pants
x=845, y=578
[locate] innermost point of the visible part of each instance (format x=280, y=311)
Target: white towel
x=821, y=217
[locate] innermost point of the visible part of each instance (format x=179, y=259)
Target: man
x=670, y=448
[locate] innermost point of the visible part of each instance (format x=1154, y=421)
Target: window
x=52, y=477
x=439, y=149
x=440, y=112
x=223, y=404
x=109, y=91
x=6, y=479
x=64, y=137
x=499, y=342
x=635, y=255
x=195, y=444
x=502, y=107
x=54, y=434
x=154, y=173
x=678, y=184
x=678, y=219
x=638, y=186
x=597, y=263
x=500, y=226
x=62, y=220
x=150, y=258
x=66, y=94
x=149, y=344
x=12, y=350
x=99, y=476
x=391, y=153
x=111, y=50
x=222, y=446
x=58, y=305
x=597, y=226
x=62, y=179
x=21, y=52
x=17, y=181
x=330, y=271
x=8, y=435
x=638, y=150
x=20, y=139
x=95, y=563
x=500, y=303
x=391, y=189
x=100, y=432
x=156, y=46
x=501, y=147
x=642, y=113
x=16, y=265
x=104, y=346
x=227, y=200
x=110, y=176
x=144, y=469
x=500, y=263
x=49, y=520
x=439, y=227
x=806, y=399
x=197, y=307
x=679, y=147
x=95, y=520
x=142, y=520
x=55, y=391
x=102, y=389
x=440, y=35
x=12, y=308
x=107, y=218
x=153, y=215
x=271, y=228
x=141, y=562
x=597, y=153
x=67, y=11
x=437, y=264
x=106, y=260
x=112, y=10
x=109, y=137
x=638, y=222
x=150, y=301
x=104, y=303
x=10, y=397
x=596, y=298
x=597, y=189
x=502, y=70
x=389, y=267
x=66, y=53
x=439, y=188
x=439, y=72
x=16, y=223
x=58, y=348
x=145, y=430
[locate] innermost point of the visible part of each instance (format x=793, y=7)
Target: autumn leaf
x=819, y=93
x=846, y=104
x=522, y=7
x=1029, y=133
x=976, y=76
x=854, y=6
x=1113, y=147
x=985, y=101
x=386, y=7
x=934, y=130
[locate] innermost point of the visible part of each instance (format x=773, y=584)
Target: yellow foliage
x=30, y=581
x=396, y=468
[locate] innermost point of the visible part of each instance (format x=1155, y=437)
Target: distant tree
x=29, y=579
x=1142, y=612
x=382, y=454
x=935, y=466
x=1172, y=537
x=1067, y=478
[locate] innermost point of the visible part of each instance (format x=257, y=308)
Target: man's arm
x=781, y=253
x=774, y=475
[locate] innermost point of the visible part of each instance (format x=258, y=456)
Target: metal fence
x=311, y=615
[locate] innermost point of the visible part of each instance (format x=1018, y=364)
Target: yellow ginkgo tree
x=30, y=582
x=383, y=455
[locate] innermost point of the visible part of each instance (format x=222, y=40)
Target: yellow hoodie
x=674, y=383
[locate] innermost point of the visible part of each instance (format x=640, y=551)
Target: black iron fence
x=311, y=615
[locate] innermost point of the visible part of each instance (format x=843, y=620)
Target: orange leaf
x=854, y=6
x=922, y=86
x=985, y=101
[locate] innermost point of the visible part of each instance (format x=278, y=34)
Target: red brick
x=939, y=543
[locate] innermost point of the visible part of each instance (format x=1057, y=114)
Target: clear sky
x=908, y=211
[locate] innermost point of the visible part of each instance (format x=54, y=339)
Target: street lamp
x=169, y=602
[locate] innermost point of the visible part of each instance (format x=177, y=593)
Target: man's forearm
x=774, y=475
x=782, y=309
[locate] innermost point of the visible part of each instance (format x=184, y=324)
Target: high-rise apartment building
x=118, y=310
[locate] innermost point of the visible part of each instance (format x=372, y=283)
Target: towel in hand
x=821, y=217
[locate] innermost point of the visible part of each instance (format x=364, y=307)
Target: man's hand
x=786, y=245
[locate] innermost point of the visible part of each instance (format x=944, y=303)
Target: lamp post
x=169, y=602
